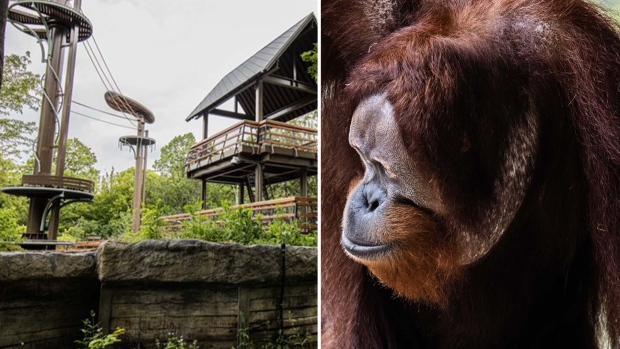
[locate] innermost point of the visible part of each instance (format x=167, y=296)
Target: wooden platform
x=231, y=155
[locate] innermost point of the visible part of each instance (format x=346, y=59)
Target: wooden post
x=105, y=307
x=259, y=102
x=258, y=183
x=243, y=317
x=205, y=126
x=240, y=194
x=258, y=174
x=303, y=183
x=204, y=194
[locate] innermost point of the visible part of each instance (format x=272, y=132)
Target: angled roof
x=250, y=70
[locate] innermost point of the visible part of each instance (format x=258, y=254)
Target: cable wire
x=99, y=110
x=101, y=77
x=104, y=121
x=125, y=104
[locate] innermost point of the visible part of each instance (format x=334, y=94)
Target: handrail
x=42, y=180
x=224, y=131
x=304, y=210
x=263, y=135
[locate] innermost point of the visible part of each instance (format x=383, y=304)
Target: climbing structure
x=59, y=27
x=137, y=143
x=266, y=91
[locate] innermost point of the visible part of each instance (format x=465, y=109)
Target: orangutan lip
x=364, y=251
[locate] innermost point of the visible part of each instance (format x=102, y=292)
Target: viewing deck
x=304, y=210
x=231, y=155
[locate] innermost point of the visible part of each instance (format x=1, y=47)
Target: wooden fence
x=303, y=210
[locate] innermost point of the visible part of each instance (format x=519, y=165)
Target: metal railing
x=72, y=183
x=301, y=210
x=261, y=136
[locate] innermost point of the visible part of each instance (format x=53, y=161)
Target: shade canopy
x=289, y=89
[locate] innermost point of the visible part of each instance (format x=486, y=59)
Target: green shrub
x=10, y=230
x=232, y=225
x=152, y=225
x=174, y=342
x=94, y=337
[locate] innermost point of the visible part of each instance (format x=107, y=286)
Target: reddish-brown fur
x=470, y=70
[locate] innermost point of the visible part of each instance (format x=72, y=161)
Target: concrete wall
x=197, y=289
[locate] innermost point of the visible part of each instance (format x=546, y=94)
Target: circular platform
x=136, y=140
x=127, y=105
x=27, y=191
x=34, y=14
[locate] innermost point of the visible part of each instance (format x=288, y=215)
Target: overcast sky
x=165, y=54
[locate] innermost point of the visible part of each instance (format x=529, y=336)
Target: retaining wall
x=204, y=291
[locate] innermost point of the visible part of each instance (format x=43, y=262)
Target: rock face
x=205, y=291
x=16, y=266
x=201, y=261
x=44, y=296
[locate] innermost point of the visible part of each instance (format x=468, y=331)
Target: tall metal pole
x=258, y=174
x=47, y=125
x=137, y=184
x=64, y=123
x=3, y=13
x=145, y=155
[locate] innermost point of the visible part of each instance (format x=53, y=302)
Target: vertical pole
x=301, y=210
x=204, y=194
x=295, y=69
x=3, y=12
x=259, y=101
x=145, y=152
x=303, y=183
x=205, y=135
x=240, y=194
x=137, y=183
x=64, y=123
x=205, y=126
x=259, y=176
x=47, y=129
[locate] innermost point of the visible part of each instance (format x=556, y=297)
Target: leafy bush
x=10, y=230
x=280, y=231
x=174, y=342
x=233, y=225
x=94, y=337
x=151, y=227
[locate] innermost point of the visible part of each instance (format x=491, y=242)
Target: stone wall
x=44, y=297
x=204, y=291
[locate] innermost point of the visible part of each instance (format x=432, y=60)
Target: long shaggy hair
x=479, y=75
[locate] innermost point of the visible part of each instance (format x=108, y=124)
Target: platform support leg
x=204, y=194
x=240, y=194
x=258, y=183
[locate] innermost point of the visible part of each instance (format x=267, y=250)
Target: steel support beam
x=230, y=114
x=291, y=108
x=291, y=83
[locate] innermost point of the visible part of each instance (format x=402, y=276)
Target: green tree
x=171, y=161
x=16, y=136
x=174, y=188
x=80, y=161
x=20, y=87
x=312, y=58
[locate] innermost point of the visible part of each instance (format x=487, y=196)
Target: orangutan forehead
x=373, y=123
